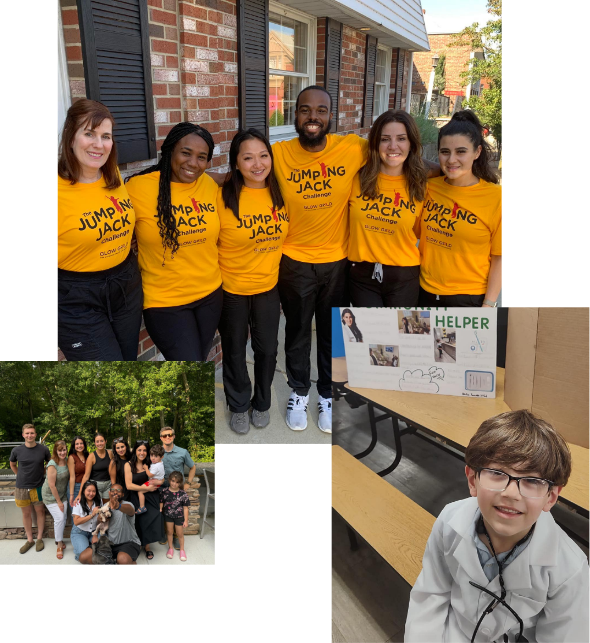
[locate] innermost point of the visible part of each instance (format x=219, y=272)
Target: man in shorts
x=30, y=473
x=125, y=543
x=174, y=459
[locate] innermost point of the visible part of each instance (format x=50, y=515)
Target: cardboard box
x=547, y=367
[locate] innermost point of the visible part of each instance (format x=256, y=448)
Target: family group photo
x=106, y=463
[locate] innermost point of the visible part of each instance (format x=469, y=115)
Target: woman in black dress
x=149, y=525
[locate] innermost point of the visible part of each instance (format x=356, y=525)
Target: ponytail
x=466, y=123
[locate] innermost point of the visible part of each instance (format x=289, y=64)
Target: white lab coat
x=348, y=334
x=547, y=586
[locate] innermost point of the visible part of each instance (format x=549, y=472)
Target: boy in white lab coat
x=505, y=541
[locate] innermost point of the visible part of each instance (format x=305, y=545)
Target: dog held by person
x=102, y=553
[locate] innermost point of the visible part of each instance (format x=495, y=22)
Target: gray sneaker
x=260, y=419
x=239, y=423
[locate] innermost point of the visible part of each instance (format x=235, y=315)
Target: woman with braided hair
x=177, y=229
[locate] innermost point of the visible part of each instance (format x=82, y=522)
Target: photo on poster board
x=442, y=351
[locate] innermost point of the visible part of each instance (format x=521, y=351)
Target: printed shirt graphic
x=250, y=249
x=316, y=187
x=461, y=228
x=382, y=229
x=95, y=225
x=193, y=272
x=173, y=502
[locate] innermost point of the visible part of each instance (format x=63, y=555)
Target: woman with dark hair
x=121, y=454
x=150, y=524
x=99, y=284
x=177, y=231
x=97, y=468
x=55, y=492
x=84, y=518
x=351, y=330
x=254, y=225
x=461, y=229
x=77, y=456
x=384, y=208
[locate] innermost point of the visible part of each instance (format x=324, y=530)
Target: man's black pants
x=428, y=299
x=261, y=312
x=309, y=289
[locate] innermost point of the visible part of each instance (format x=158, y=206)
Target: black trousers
x=309, y=289
x=99, y=313
x=261, y=312
x=428, y=299
x=185, y=332
x=400, y=285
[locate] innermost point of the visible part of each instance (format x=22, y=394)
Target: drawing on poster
x=445, y=345
x=383, y=355
x=414, y=322
x=478, y=344
x=420, y=382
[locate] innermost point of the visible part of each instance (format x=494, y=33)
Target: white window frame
x=63, y=84
x=286, y=132
x=387, y=83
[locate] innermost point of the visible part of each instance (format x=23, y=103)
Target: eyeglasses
x=142, y=441
x=494, y=480
x=121, y=439
x=166, y=435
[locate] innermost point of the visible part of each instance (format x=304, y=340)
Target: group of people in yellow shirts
x=319, y=221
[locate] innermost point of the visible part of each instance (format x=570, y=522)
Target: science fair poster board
x=443, y=351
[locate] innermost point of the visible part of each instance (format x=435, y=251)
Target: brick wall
x=455, y=63
x=352, y=82
x=13, y=533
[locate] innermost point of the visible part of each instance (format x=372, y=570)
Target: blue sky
x=453, y=15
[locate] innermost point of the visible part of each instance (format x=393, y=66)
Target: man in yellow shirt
x=315, y=173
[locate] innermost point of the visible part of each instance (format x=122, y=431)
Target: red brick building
x=456, y=61
x=227, y=64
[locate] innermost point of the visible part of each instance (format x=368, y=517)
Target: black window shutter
x=332, y=65
x=370, y=60
x=399, y=77
x=115, y=50
x=253, y=64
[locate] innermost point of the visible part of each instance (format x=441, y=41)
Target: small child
x=155, y=472
x=174, y=504
x=496, y=566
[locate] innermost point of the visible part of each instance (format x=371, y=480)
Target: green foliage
x=439, y=75
x=133, y=399
x=200, y=453
x=488, y=105
x=428, y=129
x=276, y=118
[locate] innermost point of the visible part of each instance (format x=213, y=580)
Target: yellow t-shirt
x=250, y=249
x=316, y=187
x=94, y=224
x=382, y=229
x=193, y=272
x=461, y=228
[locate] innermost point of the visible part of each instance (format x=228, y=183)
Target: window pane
x=380, y=103
x=380, y=63
x=287, y=44
x=282, y=94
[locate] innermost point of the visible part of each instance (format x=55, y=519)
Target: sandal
x=60, y=552
x=149, y=554
x=182, y=555
x=170, y=553
x=141, y=510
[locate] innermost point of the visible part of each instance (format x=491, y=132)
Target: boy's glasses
x=494, y=480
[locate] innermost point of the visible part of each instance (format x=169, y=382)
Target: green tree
x=439, y=75
x=488, y=38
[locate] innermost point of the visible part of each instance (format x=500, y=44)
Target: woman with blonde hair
x=384, y=207
x=55, y=492
x=99, y=284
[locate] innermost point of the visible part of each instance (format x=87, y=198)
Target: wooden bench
x=395, y=526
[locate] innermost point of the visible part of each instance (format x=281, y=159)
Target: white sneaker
x=297, y=411
x=325, y=416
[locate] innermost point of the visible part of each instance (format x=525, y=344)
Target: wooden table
x=454, y=420
x=395, y=526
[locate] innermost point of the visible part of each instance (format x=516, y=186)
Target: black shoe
x=176, y=544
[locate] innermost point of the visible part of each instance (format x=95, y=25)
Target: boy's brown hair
x=521, y=438
x=157, y=450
